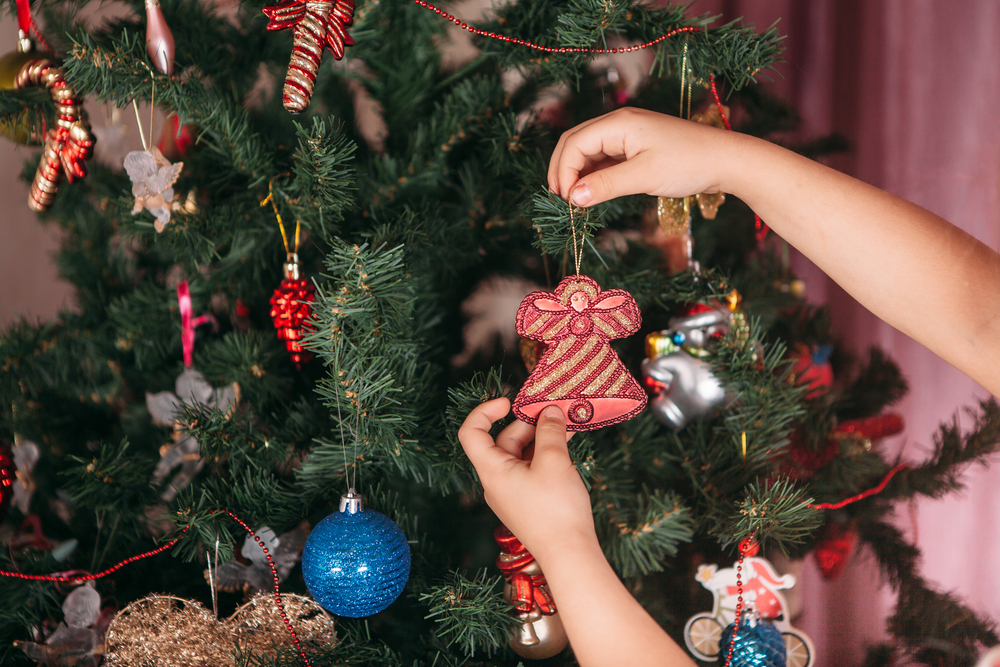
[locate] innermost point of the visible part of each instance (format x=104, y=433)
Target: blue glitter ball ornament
x=758, y=644
x=356, y=561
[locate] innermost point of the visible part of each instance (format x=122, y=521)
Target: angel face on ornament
x=579, y=372
x=681, y=381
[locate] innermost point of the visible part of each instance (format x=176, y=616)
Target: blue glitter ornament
x=758, y=644
x=356, y=561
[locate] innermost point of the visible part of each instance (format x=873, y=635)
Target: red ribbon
x=188, y=323
x=24, y=16
x=860, y=496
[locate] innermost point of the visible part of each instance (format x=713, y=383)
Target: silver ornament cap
x=351, y=502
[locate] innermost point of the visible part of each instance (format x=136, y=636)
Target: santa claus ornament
x=578, y=371
x=675, y=371
x=541, y=633
x=760, y=587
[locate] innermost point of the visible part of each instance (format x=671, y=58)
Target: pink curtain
x=915, y=86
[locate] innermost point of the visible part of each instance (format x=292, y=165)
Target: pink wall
x=914, y=85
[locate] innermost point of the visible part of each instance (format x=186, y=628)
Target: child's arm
x=543, y=501
x=913, y=269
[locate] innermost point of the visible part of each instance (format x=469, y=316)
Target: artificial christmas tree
x=397, y=234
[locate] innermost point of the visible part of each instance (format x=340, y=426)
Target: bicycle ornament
x=761, y=591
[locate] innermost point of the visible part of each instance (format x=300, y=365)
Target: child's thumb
x=624, y=178
x=550, y=435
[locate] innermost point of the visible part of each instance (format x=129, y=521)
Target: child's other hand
x=529, y=479
x=634, y=151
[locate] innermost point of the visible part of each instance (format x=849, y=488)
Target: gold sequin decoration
x=606, y=328
x=582, y=374
x=537, y=324
x=623, y=320
x=599, y=381
x=674, y=215
x=619, y=383
x=161, y=631
x=553, y=374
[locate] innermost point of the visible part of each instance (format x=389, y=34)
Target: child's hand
x=633, y=151
x=533, y=488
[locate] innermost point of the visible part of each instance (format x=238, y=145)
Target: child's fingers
x=516, y=437
x=475, y=435
x=624, y=178
x=557, y=156
x=602, y=139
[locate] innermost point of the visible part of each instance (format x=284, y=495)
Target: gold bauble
x=20, y=129
x=11, y=63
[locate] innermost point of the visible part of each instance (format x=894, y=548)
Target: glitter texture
x=579, y=372
x=757, y=644
x=356, y=564
x=172, y=632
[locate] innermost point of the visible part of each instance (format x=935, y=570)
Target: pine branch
x=116, y=480
x=471, y=613
x=953, y=453
x=557, y=222
x=934, y=627
x=878, y=385
x=774, y=511
x=637, y=538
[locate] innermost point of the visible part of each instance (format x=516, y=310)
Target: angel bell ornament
x=579, y=372
x=152, y=178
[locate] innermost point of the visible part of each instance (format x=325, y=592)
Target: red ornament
x=812, y=369
x=8, y=475
x=541, y=633
x=749, y=547
x=291, y=306
x=803, y=462
x=807, y=461
x=579, y=372
x=873, y=428
x=317, y=24
x=834, y=549
x=176, y=140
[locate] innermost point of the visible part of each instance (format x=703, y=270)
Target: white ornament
x=152, y=178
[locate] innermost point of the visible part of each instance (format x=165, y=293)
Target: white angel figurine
x=152, y=178
x=165, y=408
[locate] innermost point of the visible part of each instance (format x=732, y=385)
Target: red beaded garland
x=277, y=594
x=549, y=49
